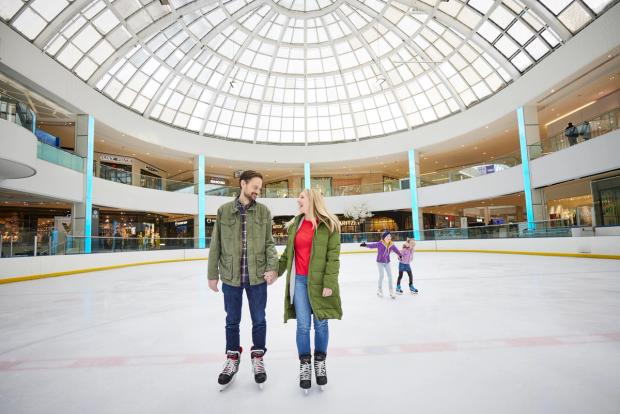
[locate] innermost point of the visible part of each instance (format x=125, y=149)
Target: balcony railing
x=119, y=175
x=597, y=126
x=17, y=112
x=59, y=157
x=47, y=244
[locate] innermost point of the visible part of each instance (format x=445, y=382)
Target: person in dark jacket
x=312, y=262
x=571, y=133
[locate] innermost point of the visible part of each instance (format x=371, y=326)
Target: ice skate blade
x=224, y=386
x=306, y=392
x=261, y=386
x=322, y=387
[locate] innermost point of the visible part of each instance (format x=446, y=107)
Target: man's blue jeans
x=257, y=299
x=303, y=310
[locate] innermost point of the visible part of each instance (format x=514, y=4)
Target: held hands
x=213, y=285
x=327, y=292
x=271, y=277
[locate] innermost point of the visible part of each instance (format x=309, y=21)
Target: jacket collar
x=235, y=206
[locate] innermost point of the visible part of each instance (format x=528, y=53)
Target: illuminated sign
x=116, y=159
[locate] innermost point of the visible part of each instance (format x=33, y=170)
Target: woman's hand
x=327, y=292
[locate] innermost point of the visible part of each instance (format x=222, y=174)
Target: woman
x=312, y=259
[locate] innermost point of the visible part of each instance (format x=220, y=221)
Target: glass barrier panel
x=59, y=157
x=592, y=128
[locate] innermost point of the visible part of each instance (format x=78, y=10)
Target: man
x=243, y=255
x=571, y=133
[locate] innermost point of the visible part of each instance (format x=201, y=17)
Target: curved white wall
x=18, y=151
x=29, y=65
x=51, y=181
x=110, y=194
x=571, y=163
x=596, y=156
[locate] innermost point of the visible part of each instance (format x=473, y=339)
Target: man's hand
x=327, y=292
x=271, y=277
x=363, y=244
x=213, y=285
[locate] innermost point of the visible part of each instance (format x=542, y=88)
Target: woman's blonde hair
x=318, y=210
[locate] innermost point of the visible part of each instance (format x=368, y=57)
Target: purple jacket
x=383, y=254
x=406, y=255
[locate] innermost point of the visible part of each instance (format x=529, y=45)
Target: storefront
x=150, y=177
x=278, y=189
x=607, y=201
x=573, y=211
x=116, y=168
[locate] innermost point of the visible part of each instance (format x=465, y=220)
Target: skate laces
x=257, y=363
x=230, y=366
x=304, y=371
x=321, y=368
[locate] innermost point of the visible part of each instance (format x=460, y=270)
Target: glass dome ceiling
x=298, y=71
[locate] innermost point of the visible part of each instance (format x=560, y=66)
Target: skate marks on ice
x=335, y=352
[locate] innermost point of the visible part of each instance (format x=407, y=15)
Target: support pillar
x=416, y=214
x=199, y=219
x=81, y=213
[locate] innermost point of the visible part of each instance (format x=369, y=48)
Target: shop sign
x=180, y=223
x=116, y=159
x=218, y=181
x=151, y=169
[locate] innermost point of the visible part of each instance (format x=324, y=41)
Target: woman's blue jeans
x=303, y=310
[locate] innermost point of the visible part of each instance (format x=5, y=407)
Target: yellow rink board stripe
x=93, y=269
x=119, y=266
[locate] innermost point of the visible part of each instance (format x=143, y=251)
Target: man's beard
x=250, y=196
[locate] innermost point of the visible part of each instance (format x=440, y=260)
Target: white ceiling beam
x=480, y=41
x=146, y=33
x=377, y=61
x=346, y=90
x=549, y=18
x=409, y=42
x=59, y=22
x=233, y=64
x=200, y=44
x=273, y=61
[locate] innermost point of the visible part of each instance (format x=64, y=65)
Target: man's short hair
x=248, y=175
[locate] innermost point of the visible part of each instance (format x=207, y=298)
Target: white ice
x=488, y=333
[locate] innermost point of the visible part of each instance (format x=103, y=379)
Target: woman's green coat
x=323, y=272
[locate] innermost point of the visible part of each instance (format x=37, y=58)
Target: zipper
x=309, y=263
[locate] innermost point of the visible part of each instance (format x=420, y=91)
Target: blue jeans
x=257, y=299
x=303, y=310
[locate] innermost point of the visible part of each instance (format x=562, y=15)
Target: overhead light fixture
x=569, y=113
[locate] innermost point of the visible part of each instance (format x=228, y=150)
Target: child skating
x=404, y=265
x=384, y=248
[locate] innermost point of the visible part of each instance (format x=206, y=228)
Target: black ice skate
x=258, y=367
x=231, y=366
x=305, y=373
x=320, y=369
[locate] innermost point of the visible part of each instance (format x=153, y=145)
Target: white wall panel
x=111, y=194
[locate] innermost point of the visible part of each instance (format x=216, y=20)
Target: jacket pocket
x=227, y=227
x=260, y=265
x=225, y=267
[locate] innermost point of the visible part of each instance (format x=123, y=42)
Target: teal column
x=200, y=178
x=525, y=168
x=416, y=220
x=307, y=175
x=85, y=147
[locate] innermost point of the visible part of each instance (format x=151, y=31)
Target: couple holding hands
x=243, y=256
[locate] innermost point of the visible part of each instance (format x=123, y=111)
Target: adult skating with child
x=312, y=262
x=384, y=248
x=404, y=265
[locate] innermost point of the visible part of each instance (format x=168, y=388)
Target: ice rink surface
x=488, y=333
